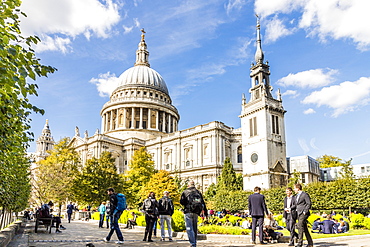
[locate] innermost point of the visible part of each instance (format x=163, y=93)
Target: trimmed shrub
x=357, y=221
x=367, y=223
x=280, y=220
x=231, y=230
x=178, y=221
x=140, y=220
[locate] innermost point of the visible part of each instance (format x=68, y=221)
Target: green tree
x=294, y=179
x=18, y=63
x=228, y=179
x=329, y=161
x=141, y=168
x=347, y=171
x=91, y=183
x=228, y=192
x=158, y=183
x=54, y=176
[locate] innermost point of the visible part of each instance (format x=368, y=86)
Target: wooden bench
x=47, y=222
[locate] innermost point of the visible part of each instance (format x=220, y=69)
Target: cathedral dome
x=142, y=75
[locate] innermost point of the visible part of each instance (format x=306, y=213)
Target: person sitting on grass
x=328, y=225
x=316, y=226
x=343, y=226
x=132, y=221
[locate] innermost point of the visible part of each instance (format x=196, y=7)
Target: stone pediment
x=278, y=168
x=77, y=141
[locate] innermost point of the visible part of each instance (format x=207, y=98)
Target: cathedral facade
x=140, y=114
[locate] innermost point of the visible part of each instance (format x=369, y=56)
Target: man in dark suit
x=257, y=209
x=290, y=214
x=303, y=211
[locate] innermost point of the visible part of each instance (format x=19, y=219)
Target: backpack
x=121, y=202
x=164, y=206
x=195, y=202
x=44, y=211
x=149, y=206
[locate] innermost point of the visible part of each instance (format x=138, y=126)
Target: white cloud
x=343, y=98
x=208, y=71
x=55, y=43
x=265, y=8
x=291, y=93
x=309, y=111
x=330, y=18
x=234, y=5
x=309, y=79
x=275, y=29
x=186, y=35
x=302, y=143
x=313, y=145
x=69, y=18
x=127, y=29
x=106, y=83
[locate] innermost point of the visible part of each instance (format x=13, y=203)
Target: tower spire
x=259, y=53
x=142, y=54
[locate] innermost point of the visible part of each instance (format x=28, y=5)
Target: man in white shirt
x=290, y=214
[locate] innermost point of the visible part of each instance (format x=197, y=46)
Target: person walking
x=150, y=208
x=257, y=209
x=115, y=214
x=101, y=210
x=194, y=205
x=70, y=209
x=165, y=215
x=303, y=211
x=290, y=214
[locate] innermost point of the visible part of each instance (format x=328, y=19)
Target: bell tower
x=44, y=143
x=263, y=129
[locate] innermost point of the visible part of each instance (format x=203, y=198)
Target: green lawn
x=317, y=235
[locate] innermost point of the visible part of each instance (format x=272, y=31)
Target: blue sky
x=318, y=52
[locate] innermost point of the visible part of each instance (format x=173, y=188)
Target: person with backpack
x=101, y=210
x=117, y=205
x=45, y=212
x=150, y=208
x=194, y=205
x=165, y=213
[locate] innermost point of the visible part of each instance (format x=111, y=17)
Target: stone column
x=133, y=118
x=170, y=125
x=124, y=118
x=149, y=119
x=164, y=122
x=141, y=118
x=111, y=120
x=157, y=127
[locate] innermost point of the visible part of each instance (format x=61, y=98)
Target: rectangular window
x=275, y=124
x=253, y=126
x=363, y=169
x=303, y=178
x=250, y=127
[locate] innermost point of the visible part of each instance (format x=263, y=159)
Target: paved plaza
x=81, y=233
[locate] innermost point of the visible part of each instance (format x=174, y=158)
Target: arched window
x=240, y=154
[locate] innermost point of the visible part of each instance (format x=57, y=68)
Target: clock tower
x=263, y=130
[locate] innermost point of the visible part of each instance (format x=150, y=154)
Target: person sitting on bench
x=45, y=212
